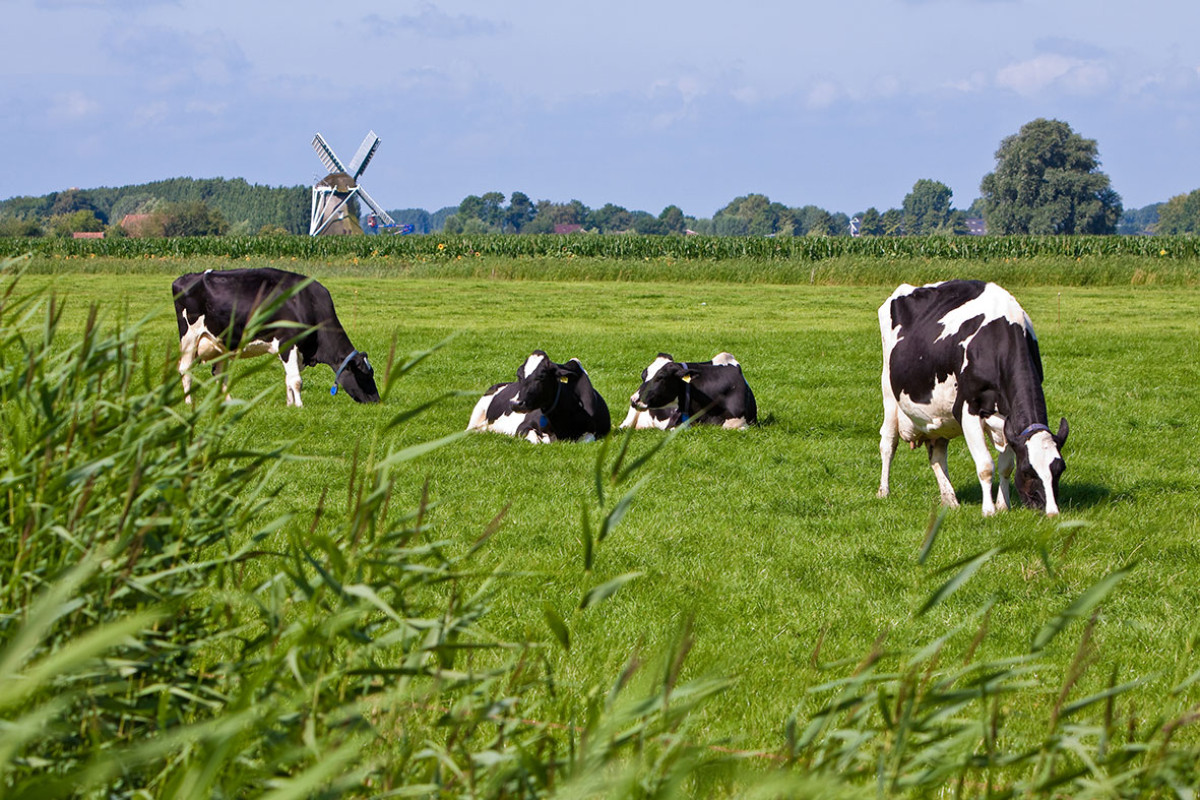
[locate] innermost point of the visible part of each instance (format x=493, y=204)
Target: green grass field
x=771, y=539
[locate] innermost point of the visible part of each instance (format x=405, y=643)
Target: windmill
x=332, y=194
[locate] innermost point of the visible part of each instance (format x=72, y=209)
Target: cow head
x=663, y=383
x=357, y=377
x=1039, y=466
x=541, y=382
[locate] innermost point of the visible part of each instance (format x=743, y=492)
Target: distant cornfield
x=690, y=248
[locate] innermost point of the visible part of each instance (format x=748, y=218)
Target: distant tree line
x=179, y=206
x=1047, y=180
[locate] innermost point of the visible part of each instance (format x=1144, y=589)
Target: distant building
x=976, y=226
x=87, y=235
x=568, y=228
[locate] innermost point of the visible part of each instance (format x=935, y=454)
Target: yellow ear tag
x=563, y=379
x=687, y=378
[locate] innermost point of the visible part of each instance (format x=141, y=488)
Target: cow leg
x=187, y=356
x=1006, y=460
x=938, y=462
x=889, y=435
x=291, y=372
x=976, y=437
x=189, y=348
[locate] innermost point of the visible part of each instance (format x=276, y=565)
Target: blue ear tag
x=333, y=390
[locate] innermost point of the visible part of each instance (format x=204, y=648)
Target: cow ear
x=1060, y=438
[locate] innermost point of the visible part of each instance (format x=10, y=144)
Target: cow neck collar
x=1032, y=429
x=687, y=396
x=545, y=420
x=338, y=372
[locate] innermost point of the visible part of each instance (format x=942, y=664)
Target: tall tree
x=493, y=209
x=610, y=219
x=195, y=218
x=673, y=219
x=927, y=208
x=870, y=222
x=1048, y=181
x=1180, y=214
x=893, y=222
x=520, y=212
x=75, y=222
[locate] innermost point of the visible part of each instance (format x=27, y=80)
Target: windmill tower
x=332, y=194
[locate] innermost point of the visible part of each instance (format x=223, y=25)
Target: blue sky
x=641, y=104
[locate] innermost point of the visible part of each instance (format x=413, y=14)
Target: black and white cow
x=960, y=359
x=546, y=402
x=673, y=392
x=213, y=309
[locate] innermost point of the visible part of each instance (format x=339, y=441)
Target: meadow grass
x=770, y=540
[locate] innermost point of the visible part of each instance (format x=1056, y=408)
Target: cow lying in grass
x=546, y=403
x=707, y=392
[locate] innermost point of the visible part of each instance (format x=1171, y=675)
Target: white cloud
x=822, y=95
x=73, y=105
x=170, y=58
x=211, y=108
x=1073, y=75
x=150, y=114
x=433, y=22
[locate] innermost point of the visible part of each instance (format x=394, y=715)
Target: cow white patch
x=735, y=423
x=530, y=365
x=995, y=303
x=260, y=347
x=645, y=420
x=508, y=423
x=1042, y=452
x=656, y=365
x=478, y=421
x=935, y=419
x=725, y=360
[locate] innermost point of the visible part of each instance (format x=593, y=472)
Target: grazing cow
x=960, y=359
x=673, y=392
x=547, y=402
x=294, y=317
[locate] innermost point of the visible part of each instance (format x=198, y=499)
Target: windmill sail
x=327, y=156
x=358, y=164
x=384, y=217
